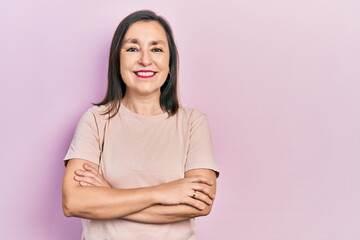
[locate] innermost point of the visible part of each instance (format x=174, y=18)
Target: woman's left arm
x=160, y=213
x=200, y=154
x=176, y=213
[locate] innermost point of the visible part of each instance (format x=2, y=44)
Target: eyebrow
x=157, y=42
x=132, y=40
x=152, y=43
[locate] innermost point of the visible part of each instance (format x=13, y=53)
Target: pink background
x=279, y=80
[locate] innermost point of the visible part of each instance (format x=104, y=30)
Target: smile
x=145, y=73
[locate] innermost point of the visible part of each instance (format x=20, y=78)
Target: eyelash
x=157, y=50
x=132, y=49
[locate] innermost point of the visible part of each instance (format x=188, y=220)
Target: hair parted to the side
x=116, y=88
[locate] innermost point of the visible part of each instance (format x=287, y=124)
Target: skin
x=176, y=201
x=145, y=47
x=86, y=194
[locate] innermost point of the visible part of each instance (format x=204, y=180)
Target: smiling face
x=144, y=59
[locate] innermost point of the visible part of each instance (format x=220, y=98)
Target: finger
x=202, y=197
x=203, y=188
x=94, y=179
x=93, y=175
x=195, y=203
x=83, y=173
x=201, y=179
x=92, y=172
x=79, y=172
x=84, y=184
x=87, y=167
x=86, y=181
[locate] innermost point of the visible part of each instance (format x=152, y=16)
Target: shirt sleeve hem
x=83, y=156
x=204, y=166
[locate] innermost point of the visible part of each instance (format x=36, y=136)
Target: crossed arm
x=87, y=195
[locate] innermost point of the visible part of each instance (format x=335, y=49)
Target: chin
x=149, y=92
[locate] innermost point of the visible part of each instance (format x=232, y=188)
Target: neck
x=147, y=105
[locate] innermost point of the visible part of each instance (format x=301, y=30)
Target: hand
x=194, y=191
x=90, y=177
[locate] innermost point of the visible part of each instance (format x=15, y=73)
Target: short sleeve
x=200, y=152
x=86, y=143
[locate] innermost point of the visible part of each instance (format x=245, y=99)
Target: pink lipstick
x=145, y=73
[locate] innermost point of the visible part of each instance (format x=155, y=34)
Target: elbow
x=70, y=206
x=67, y=207
x=207, y=210
x=66, y=212
x=73, y=206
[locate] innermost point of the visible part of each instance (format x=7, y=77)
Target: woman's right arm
x=94, y=202
x=100, y=202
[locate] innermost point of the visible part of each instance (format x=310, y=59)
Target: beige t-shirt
x=137, y=151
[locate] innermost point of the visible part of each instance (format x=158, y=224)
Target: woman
x=140, y=166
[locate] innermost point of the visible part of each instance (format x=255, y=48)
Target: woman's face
x=144, y=58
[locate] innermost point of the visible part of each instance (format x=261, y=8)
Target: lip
x=145, y=73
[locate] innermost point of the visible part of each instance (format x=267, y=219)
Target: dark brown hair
x=116, y=88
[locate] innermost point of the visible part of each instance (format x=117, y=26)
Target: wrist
x=155, y=195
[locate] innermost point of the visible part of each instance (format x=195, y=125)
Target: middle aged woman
x=140, y=166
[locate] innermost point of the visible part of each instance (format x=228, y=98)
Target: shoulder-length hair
x=116, y=87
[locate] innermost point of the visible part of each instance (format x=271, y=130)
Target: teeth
x=145, y=74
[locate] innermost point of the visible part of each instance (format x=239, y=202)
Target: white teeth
x=145, y=74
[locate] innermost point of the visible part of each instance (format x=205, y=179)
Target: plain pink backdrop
x=279, y=80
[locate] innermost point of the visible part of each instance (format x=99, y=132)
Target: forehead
x=146, y=31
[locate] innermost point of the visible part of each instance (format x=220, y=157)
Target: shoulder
x=95, y=113
x=97, y=110
x=191, y=114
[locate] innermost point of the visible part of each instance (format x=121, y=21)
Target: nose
x=145, y=58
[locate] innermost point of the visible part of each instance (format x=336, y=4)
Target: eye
x=157, y=50
x=132, y=49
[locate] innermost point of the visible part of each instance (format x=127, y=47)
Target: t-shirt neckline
x=126, y=111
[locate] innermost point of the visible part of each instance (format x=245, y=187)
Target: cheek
x=163, y=62
x=125, y=73
x=128, y=60
x=125, y=65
